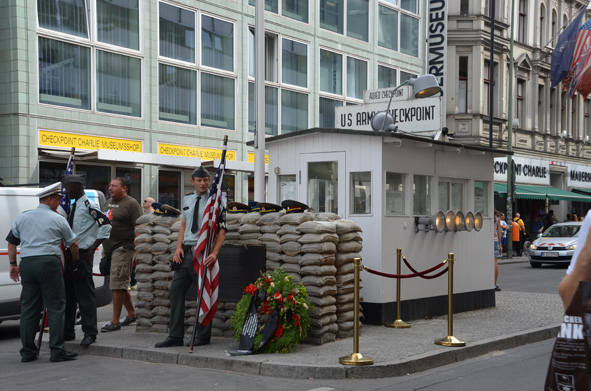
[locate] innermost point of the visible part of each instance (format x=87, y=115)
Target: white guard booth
x=385, y=181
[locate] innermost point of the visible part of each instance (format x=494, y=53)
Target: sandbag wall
x=316, y=249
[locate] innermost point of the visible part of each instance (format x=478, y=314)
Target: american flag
x=581, y=58
x=64, y=207
x=205, y=242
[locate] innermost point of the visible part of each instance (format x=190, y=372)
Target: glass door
x=323, y=179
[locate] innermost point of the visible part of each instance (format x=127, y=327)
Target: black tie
x=195, y=225
x=71, y=216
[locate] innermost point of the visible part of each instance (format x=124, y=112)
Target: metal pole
x=398, y=323
x=510, y=184
x=259, y=102
x=491, y=70
x=450, y=340
x=356, y=358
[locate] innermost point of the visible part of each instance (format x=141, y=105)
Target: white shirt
x=581, y=242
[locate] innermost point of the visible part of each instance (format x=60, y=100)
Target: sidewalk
x=517, y=319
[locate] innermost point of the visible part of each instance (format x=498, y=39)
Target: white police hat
x=55, y=189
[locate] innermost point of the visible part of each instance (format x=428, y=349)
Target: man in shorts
x=123, y=211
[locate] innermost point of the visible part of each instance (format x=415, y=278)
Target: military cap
x=254, y=206
x=267, y=207
x=55, y=189
x=68, y=179
x=238, y=207
x=200, y=172
x=292, y=206
x=165, y=210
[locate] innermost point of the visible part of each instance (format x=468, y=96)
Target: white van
x=14, y=201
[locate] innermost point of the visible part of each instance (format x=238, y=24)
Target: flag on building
x=209, y=276
x=563, y=55
x=64, y=206
x=582, y=45
x=581, y=61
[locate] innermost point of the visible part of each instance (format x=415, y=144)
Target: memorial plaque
x=239, y=266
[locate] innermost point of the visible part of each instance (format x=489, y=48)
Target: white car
x=556, y=245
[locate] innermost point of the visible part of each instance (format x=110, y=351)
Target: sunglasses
x=146, y=201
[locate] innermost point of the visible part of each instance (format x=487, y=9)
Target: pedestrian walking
x=40, y=233
x=91, y=227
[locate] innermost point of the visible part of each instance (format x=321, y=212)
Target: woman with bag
x=580, y=265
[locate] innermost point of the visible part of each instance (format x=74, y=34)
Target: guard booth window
x=323, y=178
x=360, y=192
x=451, y=195
x=394, y=194
x=421, y=195
x=481, y=197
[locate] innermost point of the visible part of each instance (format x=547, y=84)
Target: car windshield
x=562, y=231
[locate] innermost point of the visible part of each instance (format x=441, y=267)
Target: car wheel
x=535, y=264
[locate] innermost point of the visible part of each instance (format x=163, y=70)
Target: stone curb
x=412, y=364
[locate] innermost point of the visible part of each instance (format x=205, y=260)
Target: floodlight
x=450, y=221
x=469, y=221
x=459, y=221
x=477, y=221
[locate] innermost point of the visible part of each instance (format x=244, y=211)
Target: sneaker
x=127, y=321
x=497, y=289
x=110, y=327
x=134, y=287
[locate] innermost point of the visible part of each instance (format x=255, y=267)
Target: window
x=487, y=81
x=542, y=31
x=361, y=192
x=61, y=61
x=217, y=43
x=404, y=76
x=118, y=23
x=481, y=197
x=286, y=100
x=177, y=94
x=451, y=195
x=287, y=187
x=487, y=9
x=294, y=9
x=332, y=68
x=68, y=17
x=542, y=108
x=395, y=24
x=118, y=80
x=464, y=7
x=421, y=195
x=177, y=33
x=327, y=109
x=169, y=188
x=463, y=85
x=332, y=17
x=386, y=77
x=323, y=180
x=217, y=101
x=520, y=102
x=133, y=176
x=586, y=119
x=521, y=26
x=394, y=193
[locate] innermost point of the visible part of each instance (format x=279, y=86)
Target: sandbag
x=316, y=227
x=344, y=226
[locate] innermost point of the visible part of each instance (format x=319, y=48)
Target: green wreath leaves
x=278, y=291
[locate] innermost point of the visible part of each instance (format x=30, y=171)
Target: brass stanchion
x=398, y=323
x=450, y=340
x=356, y=358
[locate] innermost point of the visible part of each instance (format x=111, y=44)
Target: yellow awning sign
x=49, y=138
x=251, y=158
x=187, y=151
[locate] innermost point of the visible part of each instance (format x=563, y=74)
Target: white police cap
x=56, y=189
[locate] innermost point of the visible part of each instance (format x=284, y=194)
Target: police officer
x=91, y=227
x=192, y=214
x=40, y=233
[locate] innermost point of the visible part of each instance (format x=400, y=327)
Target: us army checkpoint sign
x=417, y=115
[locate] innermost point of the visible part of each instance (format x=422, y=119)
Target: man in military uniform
x=91, y=226
x=192, y=214
x=40, y=233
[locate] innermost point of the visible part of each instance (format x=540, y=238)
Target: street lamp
x=424, y=87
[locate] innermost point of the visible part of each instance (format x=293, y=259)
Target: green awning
x=529, y=192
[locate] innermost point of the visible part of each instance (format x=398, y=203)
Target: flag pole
x=207, y=249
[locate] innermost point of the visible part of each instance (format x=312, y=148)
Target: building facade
x=147, y=89
x=552, y=129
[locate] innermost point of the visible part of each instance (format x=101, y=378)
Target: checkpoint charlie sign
x=409, y=115
x=530, y=171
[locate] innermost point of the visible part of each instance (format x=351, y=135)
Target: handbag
x=569, y=363
x=105, y=265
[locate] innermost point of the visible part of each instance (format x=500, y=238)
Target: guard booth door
x=322, y=181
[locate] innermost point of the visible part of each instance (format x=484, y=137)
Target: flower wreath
x=276, y=291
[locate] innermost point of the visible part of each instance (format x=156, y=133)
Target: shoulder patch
x=99, y=216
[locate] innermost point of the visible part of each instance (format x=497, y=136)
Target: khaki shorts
x=121, y=260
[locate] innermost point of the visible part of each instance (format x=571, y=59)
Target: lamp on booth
x=424, y=87
x=450, y=222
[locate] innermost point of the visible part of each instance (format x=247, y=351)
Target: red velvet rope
x=415, y=273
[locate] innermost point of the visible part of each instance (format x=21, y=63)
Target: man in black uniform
x=193, y=207
x=91, y=226
x=40, y=233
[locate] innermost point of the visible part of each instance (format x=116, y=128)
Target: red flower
x=279, y=331
x=250, y=289
x=296, y=317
